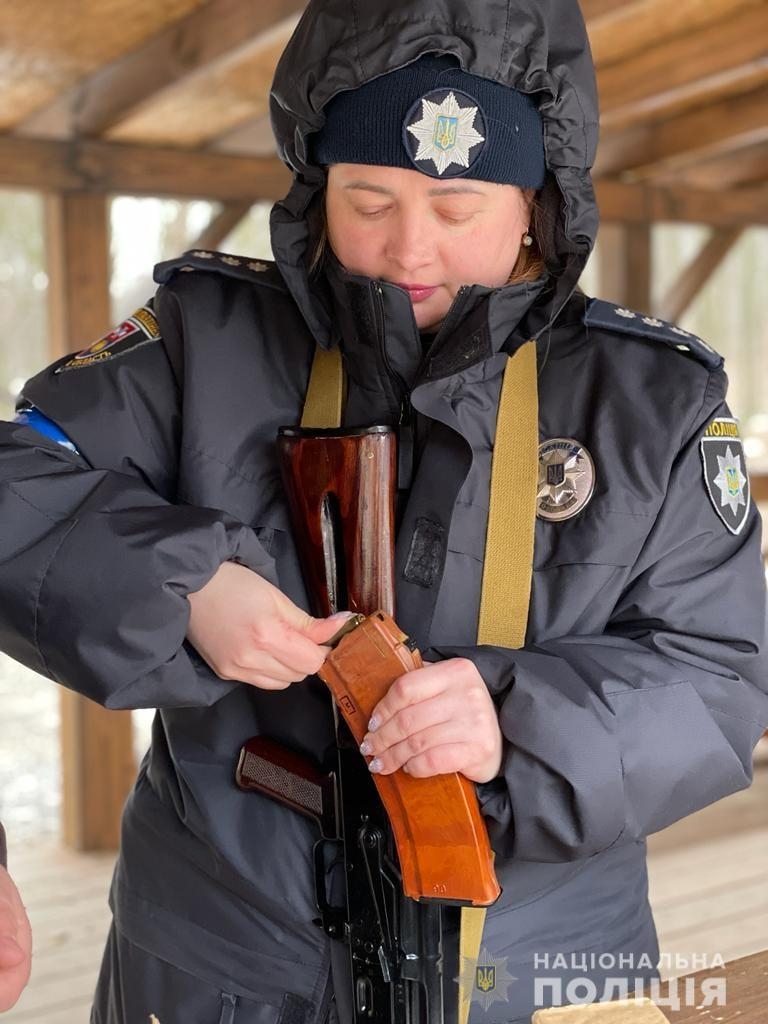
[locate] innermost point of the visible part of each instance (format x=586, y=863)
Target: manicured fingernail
x=376, y=765
x=340, y=617
x=373, y=725
x=366, y=748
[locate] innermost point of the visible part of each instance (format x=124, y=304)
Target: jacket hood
x=538, y=47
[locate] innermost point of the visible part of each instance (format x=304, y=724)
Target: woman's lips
x=418, y=292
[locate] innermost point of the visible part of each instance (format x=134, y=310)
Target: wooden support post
x=624, y=265
x=77, y=246
x=697, y=273
x=98, y=766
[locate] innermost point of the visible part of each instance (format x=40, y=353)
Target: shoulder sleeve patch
x=725, y=472
x=625, y=321
x=243, y=267
x=141, y=328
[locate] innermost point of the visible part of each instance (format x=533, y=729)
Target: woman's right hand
x=248, y=630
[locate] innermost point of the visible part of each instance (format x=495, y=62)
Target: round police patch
x=725, y=472
x=444, y=133
x=566, y=479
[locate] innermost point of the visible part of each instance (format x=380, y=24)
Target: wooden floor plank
x=72, y=1010
x=748, y=901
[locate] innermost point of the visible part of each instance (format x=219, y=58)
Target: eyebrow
x=446, y=190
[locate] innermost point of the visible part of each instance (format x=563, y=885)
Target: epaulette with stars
x=615, y=318
x=243, y=267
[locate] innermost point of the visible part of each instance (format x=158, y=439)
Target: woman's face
x=428, y=236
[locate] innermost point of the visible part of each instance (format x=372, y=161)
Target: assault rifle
x=411, y=847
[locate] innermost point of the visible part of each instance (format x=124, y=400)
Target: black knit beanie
x=441, y=120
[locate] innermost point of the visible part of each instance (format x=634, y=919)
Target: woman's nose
x=409, y=244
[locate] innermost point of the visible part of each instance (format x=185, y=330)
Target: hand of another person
x=15, y=943
x=248, y=630
x=435, y=720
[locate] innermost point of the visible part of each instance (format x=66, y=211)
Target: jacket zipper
x=406, y=408
x=453, y=314
x=381, y=333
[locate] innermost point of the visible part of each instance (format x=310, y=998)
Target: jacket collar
x=379, y=336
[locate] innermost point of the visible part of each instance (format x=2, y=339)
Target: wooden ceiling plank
x=681, y=71
x=202, y=107
x=220, y=32
x=699, y=92
x=693, y=278
x=636, y=27
x=47, y=47
x=728, y=125
x=138, y=170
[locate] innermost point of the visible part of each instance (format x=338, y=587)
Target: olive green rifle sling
x=508, y=562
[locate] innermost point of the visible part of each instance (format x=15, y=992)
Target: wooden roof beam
x=729, y=56
x=642, y=203
x=220, y=32
x=103, y=167
x=682, y=140
x=138, y=170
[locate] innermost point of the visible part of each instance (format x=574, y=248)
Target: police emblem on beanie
x=433, y=116
x=444, y=127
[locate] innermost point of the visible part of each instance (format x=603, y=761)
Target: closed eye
x=372, y=214
x=454, y=217
x=457, y=218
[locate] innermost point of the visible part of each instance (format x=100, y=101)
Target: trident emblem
x=486, y=978
x=445, y=132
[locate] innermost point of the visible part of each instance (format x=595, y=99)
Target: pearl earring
x=527, y=240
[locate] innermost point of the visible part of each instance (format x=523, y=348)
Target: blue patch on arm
x=34, y=418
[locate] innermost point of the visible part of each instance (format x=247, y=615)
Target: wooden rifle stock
x=341, y=488
x=441, y=839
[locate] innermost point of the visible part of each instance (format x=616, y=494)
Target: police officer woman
x=440, y=216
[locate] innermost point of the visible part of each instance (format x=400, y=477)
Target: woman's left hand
x=435, y=720
x=15, y=943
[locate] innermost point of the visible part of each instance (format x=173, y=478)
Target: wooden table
x=746, y=994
